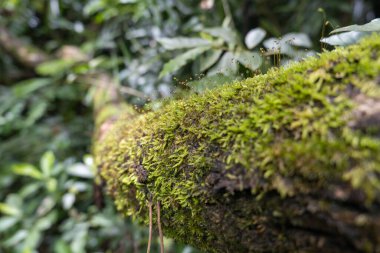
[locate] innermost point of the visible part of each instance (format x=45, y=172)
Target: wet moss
x=254, y=143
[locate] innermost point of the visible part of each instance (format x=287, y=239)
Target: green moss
x=284, y=132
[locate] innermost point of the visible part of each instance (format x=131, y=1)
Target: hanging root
x=150, y=226
x=159, y=227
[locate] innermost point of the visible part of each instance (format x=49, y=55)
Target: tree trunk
x=283, y=162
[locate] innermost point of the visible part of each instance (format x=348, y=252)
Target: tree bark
x=283, y=162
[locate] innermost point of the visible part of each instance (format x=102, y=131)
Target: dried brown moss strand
x=162, y=250
x=150, y=226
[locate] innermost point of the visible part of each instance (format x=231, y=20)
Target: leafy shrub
x=58, y=208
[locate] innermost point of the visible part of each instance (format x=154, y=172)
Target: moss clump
x=238, y=168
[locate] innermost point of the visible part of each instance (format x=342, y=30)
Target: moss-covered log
x=288, y=161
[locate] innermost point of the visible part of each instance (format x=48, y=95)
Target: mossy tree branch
x=283, y=162
x=22, y=52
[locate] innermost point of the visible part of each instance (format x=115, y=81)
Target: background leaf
x=227, y=65
x=61, y=247
x=9, y=210
x=373, y=26
x=181, y=42
x=344, y=39
x=227, y=34
x=210, y=59
x=28, y=86
x=297, y=39
x=47, y=163
x=7, y=222
x=54, y=67
x=68, y=200
x=254, y=37
x=80, y=170
x=25, y=169
x=37, y=110
x=181, y=60
x=16, y=238
x=249, y=60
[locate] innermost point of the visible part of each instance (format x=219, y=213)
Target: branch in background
x=107, y=101
x=23, y=53
x=133, y=92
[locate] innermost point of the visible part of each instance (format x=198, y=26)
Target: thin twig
x=133, y=92
x=150, y=226
x=162, y=250
x=322, y=11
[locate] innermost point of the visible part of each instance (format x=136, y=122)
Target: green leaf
x=29, y=189
x=68, y=200
x=227, y=66
x=100, y=220
x=287, y=44
x=26, y=169
x=79, y=243
x=15, y=201
x=297, y=39
x=344, y=39
x=61, y=246
x=373, y=26
x=78, y=186
x=54, y=67
x=80, y=170
x=46, y=205
x=128, y=1
x=276, y=46
x=51, y=184
x=227, y=34
x=16, y=238
x=272, y=44
x=7, y=222
x=46, y=221
x=32, y=240
x=47, y=163
x=26, y=87
x=93, y=6
x=182, y=42
x=210, y=59
x=254, y=37
x=37, y=110
x=88, y=160
x=10, y=210
x=181, y=60
x=249, y=60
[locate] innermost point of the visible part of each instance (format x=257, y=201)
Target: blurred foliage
x=45, y=113
x=55, y=210
x=348, y=35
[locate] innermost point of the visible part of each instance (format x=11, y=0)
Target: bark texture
x=283, y=162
